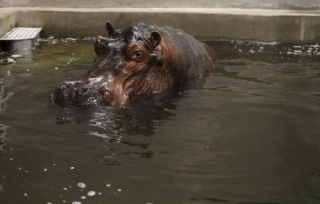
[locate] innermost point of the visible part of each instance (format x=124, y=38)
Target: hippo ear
x=109, y=28
x=155, y=38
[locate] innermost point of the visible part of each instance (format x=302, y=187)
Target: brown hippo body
x=140, y=60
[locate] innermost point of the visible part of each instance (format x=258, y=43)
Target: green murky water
x=251, y=135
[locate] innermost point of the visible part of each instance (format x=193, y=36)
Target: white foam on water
x=72, y=82
x=91, y=193
x=81, y=185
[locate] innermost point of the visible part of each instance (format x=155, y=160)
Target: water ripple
x=3, y=96
x=3, y=133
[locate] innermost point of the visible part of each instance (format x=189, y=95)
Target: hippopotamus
x=139, y=60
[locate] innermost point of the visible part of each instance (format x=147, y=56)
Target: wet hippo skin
x=139, y=60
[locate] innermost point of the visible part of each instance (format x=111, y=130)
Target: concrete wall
x=206, y=24
x=7, y=22
x=274, y=4
x=79, y=18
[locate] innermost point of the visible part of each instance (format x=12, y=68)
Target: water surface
x=250, y=135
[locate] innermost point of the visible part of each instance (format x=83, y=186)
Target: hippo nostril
x=81, y=90
x=102, y=90
x=61, y=94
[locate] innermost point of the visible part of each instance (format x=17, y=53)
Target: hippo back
x=196, y=58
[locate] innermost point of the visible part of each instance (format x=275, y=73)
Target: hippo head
x=119, y=69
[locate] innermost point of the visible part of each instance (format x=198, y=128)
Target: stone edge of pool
x=301, y=26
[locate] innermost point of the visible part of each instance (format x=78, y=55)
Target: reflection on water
x=4, y=97
x=3, y=133
x=249, y=135
x=141, y=119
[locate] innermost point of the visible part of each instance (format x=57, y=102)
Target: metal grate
x=21, y=33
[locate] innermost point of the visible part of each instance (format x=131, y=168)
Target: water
x=251, y=135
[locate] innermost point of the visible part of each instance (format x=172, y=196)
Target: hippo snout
x=66, y=92
x=88, y=92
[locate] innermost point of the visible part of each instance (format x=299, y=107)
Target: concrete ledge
x=206, y=24
x=262, y=4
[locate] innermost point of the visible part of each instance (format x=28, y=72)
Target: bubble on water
x=71, y=39
x=315, y=46
x=65, y=189
x=119, y=190
x=108, y=185
x=25, y=194
x=81, y=185
x=72, y=167
x=56, y=68
x=83, y=197
x=76, y=202
x=45, y=169
x=4, y=61
x=99, y=193
x=91, y=193
x=16, y=56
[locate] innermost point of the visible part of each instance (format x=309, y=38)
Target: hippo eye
x=137, y=54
